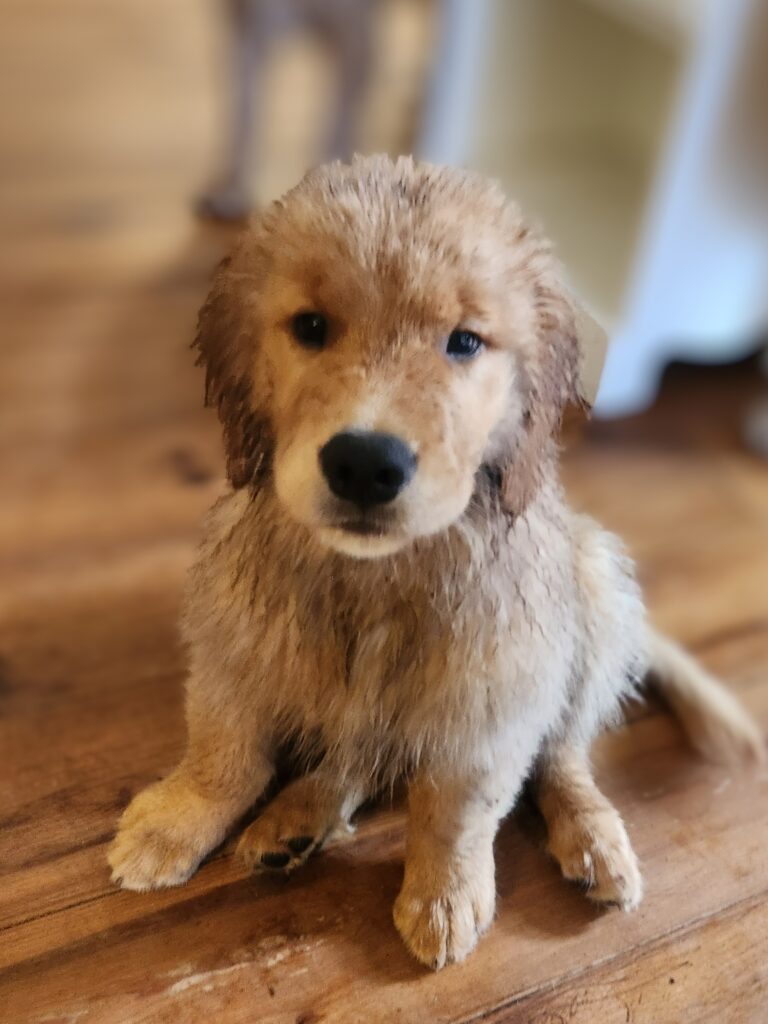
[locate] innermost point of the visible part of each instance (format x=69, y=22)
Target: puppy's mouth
x=345, y=517
x=362, y=528
x=363, y=533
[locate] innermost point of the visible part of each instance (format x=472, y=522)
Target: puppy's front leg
x=448, y=894
x=169, y=827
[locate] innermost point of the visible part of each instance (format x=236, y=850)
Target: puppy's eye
x=310, y=329
x=463, y=344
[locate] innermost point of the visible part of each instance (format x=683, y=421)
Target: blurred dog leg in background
x=345, y=26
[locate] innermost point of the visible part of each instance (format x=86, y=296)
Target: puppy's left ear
x=227, y=346
x=563, y=372
x=572, y=349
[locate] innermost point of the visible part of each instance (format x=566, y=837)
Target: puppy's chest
x=394, y=650
x=459, y=630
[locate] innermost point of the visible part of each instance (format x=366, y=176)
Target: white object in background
x=565, y=101
x=452, y=92
x=699, y=286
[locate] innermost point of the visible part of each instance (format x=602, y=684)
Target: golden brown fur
x=478, y=632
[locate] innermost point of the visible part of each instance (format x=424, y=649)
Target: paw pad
x=285, y=855
x=300, y=844
x=275, y=860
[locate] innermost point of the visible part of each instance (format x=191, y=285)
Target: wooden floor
x=108, y=462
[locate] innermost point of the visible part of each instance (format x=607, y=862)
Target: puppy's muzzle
x=367, y=468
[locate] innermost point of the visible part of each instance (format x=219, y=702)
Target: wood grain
x=108, y=464
x=675, y=979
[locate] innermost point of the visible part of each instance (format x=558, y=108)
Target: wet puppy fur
x=468, y=632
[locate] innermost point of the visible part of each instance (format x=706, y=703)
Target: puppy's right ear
x=226, y=347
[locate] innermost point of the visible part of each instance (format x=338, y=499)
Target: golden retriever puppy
x=394, y=580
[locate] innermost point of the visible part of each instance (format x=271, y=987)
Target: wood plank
x=674, y=981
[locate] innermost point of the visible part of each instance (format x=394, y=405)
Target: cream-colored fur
x=478, y=632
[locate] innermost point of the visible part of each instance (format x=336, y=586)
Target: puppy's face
x=381, y=332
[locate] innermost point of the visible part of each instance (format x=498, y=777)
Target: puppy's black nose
x=366, y=467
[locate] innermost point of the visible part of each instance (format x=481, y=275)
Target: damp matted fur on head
x=395, y=300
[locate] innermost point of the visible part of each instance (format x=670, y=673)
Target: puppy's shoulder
x=225, y=521
x=225, y=561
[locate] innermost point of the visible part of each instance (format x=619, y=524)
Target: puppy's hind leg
x=586, y=835
x=299, y=820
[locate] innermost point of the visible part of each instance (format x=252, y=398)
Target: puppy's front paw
x=594, y=850
x=440, y=922
x=162, y=836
